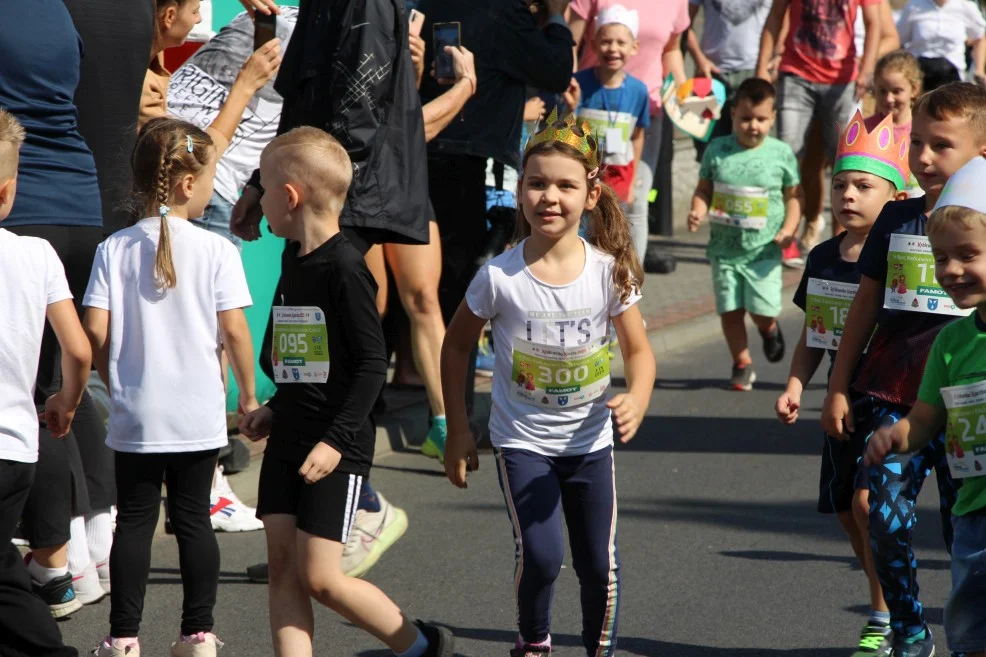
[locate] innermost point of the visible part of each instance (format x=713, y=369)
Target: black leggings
x=188, y=476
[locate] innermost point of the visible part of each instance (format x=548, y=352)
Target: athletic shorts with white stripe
x=325, y=509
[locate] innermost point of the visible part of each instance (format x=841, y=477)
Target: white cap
x=965, y=187
x=618, y=14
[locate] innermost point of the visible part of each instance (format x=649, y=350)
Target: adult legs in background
x=813, y=187
x=642, y=184
x=378, y=268
x=26, y=624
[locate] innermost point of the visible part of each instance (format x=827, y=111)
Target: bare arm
x=979, y=57
x=703, y=65
x=640, y=368
x=921, y=425
x=769, y=39
x=97, y=327
x=256, y=72
x=792, y=215
x=889, y=39
x=804, y=364
x=76, y=363
x=672, y=59
x=439, y=112
x=577, y=25
x=871, y=47
x=239, y=348
x=700, y=203
x=460, y=447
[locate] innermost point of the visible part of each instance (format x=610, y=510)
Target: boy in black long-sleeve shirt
x=327, y=354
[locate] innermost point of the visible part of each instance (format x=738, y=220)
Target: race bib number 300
x=300, y=351
x=739, y=207
x=559, y=377
x=965, y=436
x=826, y=308
x=911, y=283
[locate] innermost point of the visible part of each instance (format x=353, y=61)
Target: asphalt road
x=723, y=552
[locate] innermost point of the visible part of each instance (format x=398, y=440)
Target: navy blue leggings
x=537, y=490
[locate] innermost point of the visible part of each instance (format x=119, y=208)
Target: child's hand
x=256, y=423
x=247, y=404
x=694, y=221
x=58, y=414
x=783, y=238
x=628, y=414
x=837, y=416
x=573, y=95
x=321, y=461
x=787, y=407
x=882, y=442
x=461, y=456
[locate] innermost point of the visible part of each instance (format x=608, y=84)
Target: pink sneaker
x=110, y=647
x=203, y=644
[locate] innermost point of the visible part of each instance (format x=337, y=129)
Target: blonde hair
x=903, y=62
x=608, y=229
x=166, y=150
x=12, y=136
x=951, y=216
x=318, y=163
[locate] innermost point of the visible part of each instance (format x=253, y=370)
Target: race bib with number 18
x=826, y=307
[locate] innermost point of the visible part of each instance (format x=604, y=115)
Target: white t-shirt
x=31, y=279
x=927, y=30
x=532, y=321
x=199, y=88
x=166, y=384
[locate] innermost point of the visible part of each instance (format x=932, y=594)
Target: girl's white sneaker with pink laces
x=203, y=644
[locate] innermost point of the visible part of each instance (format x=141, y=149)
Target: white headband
x=965, y=187
x=618, y=14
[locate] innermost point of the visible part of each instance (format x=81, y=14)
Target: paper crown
x=965, y=187
x=874, y=152
x=619, y=15
x=562, y=130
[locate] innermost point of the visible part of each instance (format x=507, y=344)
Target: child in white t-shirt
x=550, y=301
x=33, y=289
x=163, y=299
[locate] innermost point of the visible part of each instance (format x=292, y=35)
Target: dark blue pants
x=894, y=487
x=538, y=490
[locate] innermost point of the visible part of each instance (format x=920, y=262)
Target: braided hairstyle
x=166, y=150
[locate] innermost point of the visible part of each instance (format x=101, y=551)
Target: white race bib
x=965, y=434
x=911, y=283
x=826, y=307
x=300, y=349
x=557, y=377
x=739, y=207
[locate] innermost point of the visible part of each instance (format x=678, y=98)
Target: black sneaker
x=923, y=648
x=874, y=641
x=528, y=650
x=257, y=573
x=773, y=344
x=59, y=595
x=441, y=643
x=743, y=378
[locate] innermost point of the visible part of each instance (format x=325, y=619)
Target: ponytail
x=609, y=231
x=164, y=266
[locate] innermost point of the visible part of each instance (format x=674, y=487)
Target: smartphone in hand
x=445, y=34
x=264, y=28
x=415, y=22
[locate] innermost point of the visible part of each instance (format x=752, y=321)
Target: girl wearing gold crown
x=550, y=301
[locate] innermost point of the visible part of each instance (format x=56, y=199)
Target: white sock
x=43, y=575
x=99, y=535
x=417, y=649
x=78, y=547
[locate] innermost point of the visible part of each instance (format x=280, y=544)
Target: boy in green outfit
x=748, y=187
x=953, y=395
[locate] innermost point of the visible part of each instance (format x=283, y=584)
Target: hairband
x=188, y=139
x=163, y=210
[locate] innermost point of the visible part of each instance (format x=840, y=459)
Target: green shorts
x=753, y=286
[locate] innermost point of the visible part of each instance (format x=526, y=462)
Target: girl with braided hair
x=164, y=298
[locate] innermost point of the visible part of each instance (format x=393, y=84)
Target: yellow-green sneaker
x=434, y=445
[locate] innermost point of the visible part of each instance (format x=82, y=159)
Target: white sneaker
x=203, y=644
x=103, y=571
x=372, y=534
x=117, y=648
x=227, y=512
x=86, y=585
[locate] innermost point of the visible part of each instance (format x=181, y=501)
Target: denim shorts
x=216, y=219
x=799, y=101
x=965, y=611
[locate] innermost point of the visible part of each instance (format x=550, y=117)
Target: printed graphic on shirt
x=739, y=207
x=821, y=29
x=826, y=309
x=911, y=282
x=965, y=435
x=299, y=350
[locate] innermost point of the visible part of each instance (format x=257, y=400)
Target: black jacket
x=511, y=53
x=347, y=70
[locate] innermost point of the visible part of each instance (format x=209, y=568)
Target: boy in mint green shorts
x=748, y=188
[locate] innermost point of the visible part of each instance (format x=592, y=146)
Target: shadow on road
x=777, y=555
x=722, y=383
x=724, y=435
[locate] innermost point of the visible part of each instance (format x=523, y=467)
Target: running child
x=321, y=433
x=614, y=103
x=164, y=298
x=34, y=289
x=748, y=188
x=952, y=396
x=868, y=173
x=899, y=296
x=550, y=301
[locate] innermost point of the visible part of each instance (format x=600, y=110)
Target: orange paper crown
x=562, y=131
x=874, y=152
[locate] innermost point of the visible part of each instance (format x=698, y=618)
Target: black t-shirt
x=893, y=366
x=335, y=280
x=825, y=263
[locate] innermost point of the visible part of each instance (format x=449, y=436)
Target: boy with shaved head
x=325, y=349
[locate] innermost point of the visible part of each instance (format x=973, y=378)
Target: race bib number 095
x=300, y=349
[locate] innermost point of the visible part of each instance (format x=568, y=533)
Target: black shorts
x=837, y=481
x=325, y=509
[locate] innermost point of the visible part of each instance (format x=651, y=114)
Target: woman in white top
x=937, y=32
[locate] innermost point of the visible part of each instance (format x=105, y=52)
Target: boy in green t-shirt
x=748, y=187
x=953, y=395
